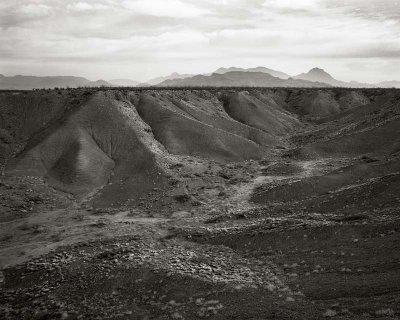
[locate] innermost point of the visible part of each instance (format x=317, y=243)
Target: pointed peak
x=318, y=75
x=317, y=70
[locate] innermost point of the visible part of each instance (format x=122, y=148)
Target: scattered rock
x=329, y=313
x=181, y=214
x=385, y=312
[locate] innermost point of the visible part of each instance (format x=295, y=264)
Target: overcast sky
x=141, y=39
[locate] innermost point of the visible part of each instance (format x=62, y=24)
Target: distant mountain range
x=389, y=84
x=30, y=82
x=320, y=75
x=123, y=82
x=273, y=73
x=318, y=78
x=172, y=76
x=239, y=79
x=233, y=76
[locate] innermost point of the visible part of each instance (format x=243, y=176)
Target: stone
x=385, y=312
x=181, y=214
x=329, y=313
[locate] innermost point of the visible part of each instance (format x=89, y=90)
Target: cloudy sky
x=141, y=39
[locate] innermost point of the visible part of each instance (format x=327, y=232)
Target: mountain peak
x=319, y=71
x=318, y=75
x=316, y=69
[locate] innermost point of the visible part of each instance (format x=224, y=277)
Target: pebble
x=181, y=214
x=329, y=313
x=385, y=312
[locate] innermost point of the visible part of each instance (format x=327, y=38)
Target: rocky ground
x=280, y=238
x=221, y=257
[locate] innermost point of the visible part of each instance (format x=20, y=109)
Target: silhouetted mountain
x=320, y=75
x=158, y=80
x=124, y=82
x=98, y=83
x=259, y=77
x=356, y=84
x=274, y=73
x=239, y=79
x=389, y=84
x=143, y=84
x=31, y=82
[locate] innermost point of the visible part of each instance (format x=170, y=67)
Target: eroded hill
x=251, y=203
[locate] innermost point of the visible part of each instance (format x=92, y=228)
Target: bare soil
x=304, y=225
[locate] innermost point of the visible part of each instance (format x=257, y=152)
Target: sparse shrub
x=79, y=217
x=5, y=137
x=35, y=228
x=6, y=237
x=182, y=197
x=35, y=198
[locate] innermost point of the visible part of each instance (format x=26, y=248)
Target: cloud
x=86, y=6
x=368, y=9
x=145, y=38
x=12, y=15
x=170, y=8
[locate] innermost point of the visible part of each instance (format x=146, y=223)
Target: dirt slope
x=377, y=141
x=151, y=234
x=23, y=114
x=253, y=112
x=370, y=129
x=325, y=103
x=184, y=135
x=343, y=179
x=90, y=147
x=226, y=123
x=81, y=141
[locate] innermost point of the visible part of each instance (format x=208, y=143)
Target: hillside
x=81, y=145
x=87, y=138
x=191, y=203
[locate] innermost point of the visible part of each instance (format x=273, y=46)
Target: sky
x=142, y=39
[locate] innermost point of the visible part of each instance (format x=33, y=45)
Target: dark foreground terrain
x=200, y=204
